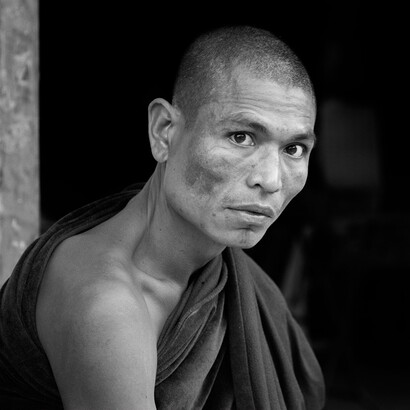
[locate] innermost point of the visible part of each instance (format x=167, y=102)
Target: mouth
x=254, y=210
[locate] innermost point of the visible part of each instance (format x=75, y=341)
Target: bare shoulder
x=96, y=330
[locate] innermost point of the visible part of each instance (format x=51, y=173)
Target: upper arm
x=103, y=351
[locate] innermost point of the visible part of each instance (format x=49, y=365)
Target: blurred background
x=340, y=251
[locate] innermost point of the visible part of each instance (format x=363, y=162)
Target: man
x=144, y=299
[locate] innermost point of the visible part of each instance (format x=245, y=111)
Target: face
x=232, y=173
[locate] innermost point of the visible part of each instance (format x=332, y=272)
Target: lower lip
x=251, y=217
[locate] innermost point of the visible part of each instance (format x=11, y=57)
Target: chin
x=243, y=238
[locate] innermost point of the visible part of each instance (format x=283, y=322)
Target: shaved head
x=209, y=63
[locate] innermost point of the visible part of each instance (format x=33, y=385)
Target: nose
x=266, y=172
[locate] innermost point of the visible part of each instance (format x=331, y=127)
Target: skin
x=107, y=293
x=220, y=175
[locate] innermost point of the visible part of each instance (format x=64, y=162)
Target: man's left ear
x=162, y=118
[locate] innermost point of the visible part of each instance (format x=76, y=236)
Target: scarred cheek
x=205, y=175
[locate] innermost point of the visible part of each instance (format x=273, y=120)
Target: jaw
x=234, y=235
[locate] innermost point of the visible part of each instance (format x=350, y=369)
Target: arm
x=102, y=350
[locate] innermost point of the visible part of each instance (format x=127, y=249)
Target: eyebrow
x=261, y=128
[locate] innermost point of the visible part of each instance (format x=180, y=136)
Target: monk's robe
x=230, y=343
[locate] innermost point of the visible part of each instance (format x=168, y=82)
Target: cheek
x=297, y=182
x=205, y=174
x=300, y=179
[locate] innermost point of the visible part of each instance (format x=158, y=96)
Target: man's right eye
x=242, y=139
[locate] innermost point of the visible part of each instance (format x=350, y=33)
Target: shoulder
x=96, y=330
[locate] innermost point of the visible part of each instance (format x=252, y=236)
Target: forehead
x=244, y=96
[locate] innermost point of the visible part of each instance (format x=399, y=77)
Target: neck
x=170, y=248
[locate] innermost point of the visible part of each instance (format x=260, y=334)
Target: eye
x=242, y=138
x=295, y=150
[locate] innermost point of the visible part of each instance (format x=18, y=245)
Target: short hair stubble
x=209, y=61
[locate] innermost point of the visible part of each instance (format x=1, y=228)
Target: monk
x=145, y=299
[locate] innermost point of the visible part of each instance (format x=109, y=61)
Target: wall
x=19, y=166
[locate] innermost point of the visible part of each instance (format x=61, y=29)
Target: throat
x=170, y=261
x=169, y=247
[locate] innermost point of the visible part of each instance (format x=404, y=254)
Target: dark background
x=348, y=231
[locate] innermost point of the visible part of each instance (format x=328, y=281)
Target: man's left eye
x=295, y=150
x=242, y=138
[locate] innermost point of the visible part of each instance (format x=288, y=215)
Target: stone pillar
x=19, y=147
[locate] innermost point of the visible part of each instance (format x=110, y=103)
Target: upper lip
x=256, y=208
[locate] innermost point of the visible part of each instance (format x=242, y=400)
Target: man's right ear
x=162, y=117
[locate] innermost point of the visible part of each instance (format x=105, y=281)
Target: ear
x=162, y=118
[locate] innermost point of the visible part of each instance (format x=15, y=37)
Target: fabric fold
x=198, y=305
x=190, y=347
x=262, y=340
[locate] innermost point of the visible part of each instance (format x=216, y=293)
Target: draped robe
x=230, y=343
